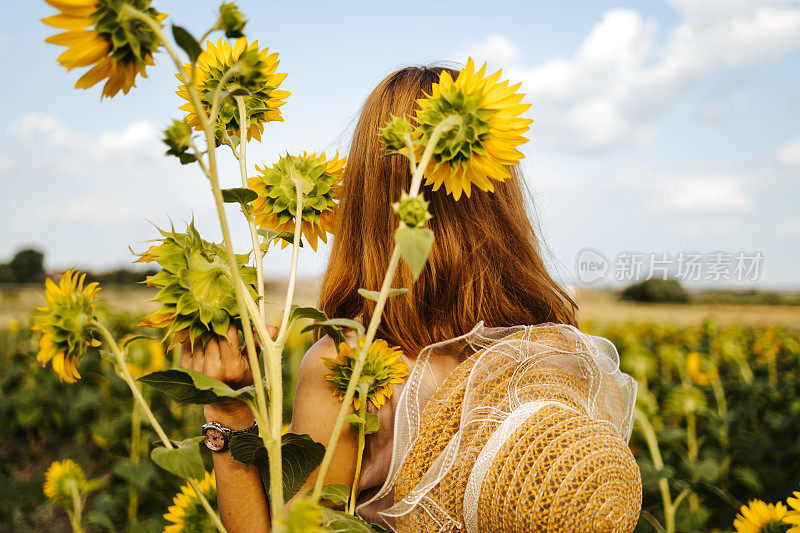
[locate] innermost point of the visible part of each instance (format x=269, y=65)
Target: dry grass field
x=597, y=307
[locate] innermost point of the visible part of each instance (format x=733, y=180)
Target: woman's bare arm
x=241, y=497
x=240, y=494
x=314, y=413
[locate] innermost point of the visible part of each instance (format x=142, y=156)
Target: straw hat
x=527, y=434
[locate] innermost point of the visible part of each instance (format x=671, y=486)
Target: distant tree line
x=27, y=266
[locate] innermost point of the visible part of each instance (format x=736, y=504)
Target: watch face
x=214, y=439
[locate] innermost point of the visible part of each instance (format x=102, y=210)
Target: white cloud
x=791, y=226
x=698, y=193
x=624, y=73
x=495, y=49
x=790, y=153
x=136, y=139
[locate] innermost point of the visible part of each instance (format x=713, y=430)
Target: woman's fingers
x=212, y=364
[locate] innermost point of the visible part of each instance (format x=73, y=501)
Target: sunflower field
x=722, y=401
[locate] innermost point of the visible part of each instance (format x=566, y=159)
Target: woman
x=485, y=266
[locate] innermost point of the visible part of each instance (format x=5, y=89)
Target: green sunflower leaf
x=270, y=234
x=333, y=327
x=300, y=455
x=336, y=493
x=241, y=195
x=415, y=245
x=341, y=522
x=373, y=295
x=188, y=43
x=188, y=386
x=184, y=461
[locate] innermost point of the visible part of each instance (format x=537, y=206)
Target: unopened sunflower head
x=59, y=480
x=178, y=138
x=487, y=129
x=256, y=80
x=187, y=512
x=760, y=517
x=412, y=210
x=65, y=324
x=195, y=286
x=318, y=180
x=383, y=368
x=102, y=34
x=397, y=134
x=231, y=20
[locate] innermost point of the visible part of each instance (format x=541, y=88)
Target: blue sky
x=659, y=127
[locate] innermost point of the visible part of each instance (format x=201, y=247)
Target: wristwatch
x=217, y=438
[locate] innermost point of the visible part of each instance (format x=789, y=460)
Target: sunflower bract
x=65, y=324
x=196, y=287
x=489, y=128
x=100, y=35
x=256, y=80
x=319, y=180
x=382, y=369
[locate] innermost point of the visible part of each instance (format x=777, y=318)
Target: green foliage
x=656, y=290
x=415, y=245
x=728, y=439
x=184, y=460
x=188, y=386
x=300, y=455
x=27, y=266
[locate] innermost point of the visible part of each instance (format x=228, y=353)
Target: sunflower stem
x=391, y=270
x=363, y=389
x=75, y=516
x=241, y=295
x=650, y=438
x=242, y=157
x=122, y=370
x=136, y=453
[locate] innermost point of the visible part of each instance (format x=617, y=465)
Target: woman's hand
x=222, y=359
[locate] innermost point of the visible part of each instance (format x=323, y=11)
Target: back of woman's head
x=485, y=263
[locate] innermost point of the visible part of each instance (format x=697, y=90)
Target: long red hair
x=485, y=263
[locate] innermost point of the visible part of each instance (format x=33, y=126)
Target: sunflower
x=694, y=371
x=319, y=181
x=195, y=286
x=145, y=356
x=57, y=482
x=793, y=516
x=382, y=369
x=99, y=34
x=758, y=516
x=258, y=80
x=186, y=514
x=489, y=127
x=65, y=323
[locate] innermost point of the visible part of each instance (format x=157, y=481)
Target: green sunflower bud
x=396, y=135
x=178, y=138
x=231, y=20
x=412, y=210
x=195, y=286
